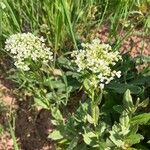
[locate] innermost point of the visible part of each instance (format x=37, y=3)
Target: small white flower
x=42, y=39
x=118, y=74
x=101, y=85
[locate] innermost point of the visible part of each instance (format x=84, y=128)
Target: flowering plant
x=97, y=59
x=26, y=48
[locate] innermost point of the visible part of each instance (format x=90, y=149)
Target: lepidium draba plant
x=34, y=69
x=27, y=50
x=95, y=63
x=29, y=54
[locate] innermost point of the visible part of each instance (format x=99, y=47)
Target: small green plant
x=79, y=131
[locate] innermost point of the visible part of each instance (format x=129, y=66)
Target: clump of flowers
x=26, y=48
x=97, y=59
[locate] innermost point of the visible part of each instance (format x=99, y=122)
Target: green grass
x=65, y=19
x=12, y=133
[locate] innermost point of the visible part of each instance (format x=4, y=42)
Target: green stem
x=94, y=109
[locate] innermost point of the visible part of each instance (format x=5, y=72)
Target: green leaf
x=81, y=146
x=73, y=144
x=87, y=140
x=56, y=113
x=115, y=138
x=124, y=119
x=121, y=88
x=127, y=100
x=41, y=103
x=55, y=135
x=134, y=129
x=118, y=108
x=66, y=63
x=144, y=103
x=134, y=139
x=141, y=81
x=140, y=119
x=89, y=119
x=87, y=137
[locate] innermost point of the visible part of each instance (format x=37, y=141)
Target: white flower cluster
x=26, y=48
x=97, y=59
